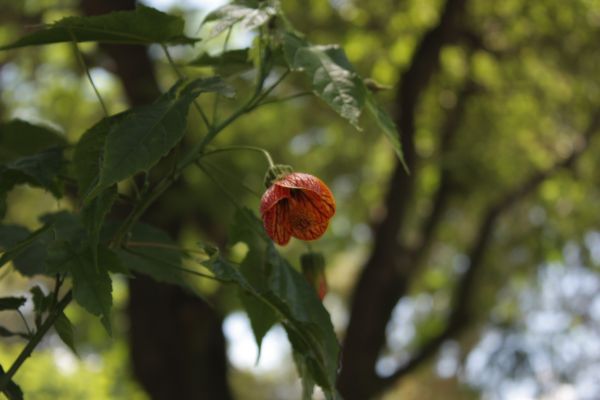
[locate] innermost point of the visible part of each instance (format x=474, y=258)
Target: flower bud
x=313, y=269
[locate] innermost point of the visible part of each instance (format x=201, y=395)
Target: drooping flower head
x=296, y=204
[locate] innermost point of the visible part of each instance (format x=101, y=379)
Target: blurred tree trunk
x=387, y=274
x=176, y=341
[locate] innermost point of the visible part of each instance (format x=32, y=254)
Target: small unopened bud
x=313, y=268
x=277, y=172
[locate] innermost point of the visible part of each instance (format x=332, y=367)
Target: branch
x=35, y=340
x=445, y=188
x=463, y=293
x=382, y=282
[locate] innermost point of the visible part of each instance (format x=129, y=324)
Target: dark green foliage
x=41, y=304
x=26, y=250
x=280, y=288
x=12, y=391
x=20, y=138
x=143, y=26
x=64, y=329
x=29, y=154
x=145, y=255
x=89, y=153
x=92, y=286
x=141, y=138
x=11, y=303
x=8, y=333
x=83, y=248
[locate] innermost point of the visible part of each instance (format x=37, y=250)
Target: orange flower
x=298, y=205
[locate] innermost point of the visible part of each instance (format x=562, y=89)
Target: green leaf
x=64, y=329
x=89, y=153
x=388, y=126
x=20, y=138
x=226, y=64
x=11, y=303
x=248, y=17
x=254, y=269
x=8, y=333
x=144, y=25
x=146, y=256
x=308, y=384
x=12, y=390
x=332, y=76
x=41, y=302
x=146, y=134
x=23, y=248
x=92, y=286
x=39, y=170
x=93, y=215
x=289, y=296
x=232, y=57
x=66, y=227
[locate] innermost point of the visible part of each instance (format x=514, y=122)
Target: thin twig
x=35, y=340
x=181, y=76
x=29, y=331
x=242, y=147
x=87, y=72
x=217, y=95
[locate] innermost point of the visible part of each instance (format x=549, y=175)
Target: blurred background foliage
x=525, y=82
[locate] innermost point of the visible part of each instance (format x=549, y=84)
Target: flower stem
x=241, y=147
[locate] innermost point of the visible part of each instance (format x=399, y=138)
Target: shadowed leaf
x=144, y=25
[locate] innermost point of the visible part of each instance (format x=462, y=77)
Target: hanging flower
x=296, y=204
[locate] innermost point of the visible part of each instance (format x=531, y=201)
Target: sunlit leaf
x=144, y=25
x=247, y=17
x=332, y=77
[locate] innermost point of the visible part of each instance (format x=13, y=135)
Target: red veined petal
x=310, y=184
x=271, y=196
x=311, y=232
x=276, y=222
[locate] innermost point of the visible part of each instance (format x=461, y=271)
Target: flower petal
x=276, y=223
x=271, y=196
x=312, y=232
x=310, y=184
